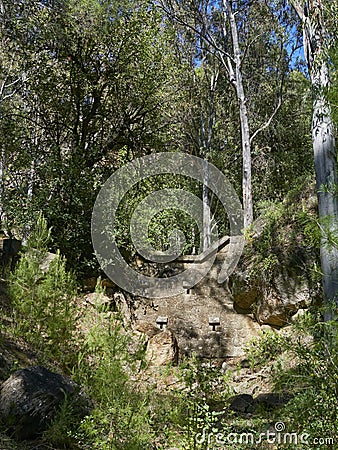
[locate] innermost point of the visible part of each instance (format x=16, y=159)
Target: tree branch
x=204, y=36
x=268, y=122
x=299, y=9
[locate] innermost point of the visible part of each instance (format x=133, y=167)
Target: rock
x=162, y=349
x=99, y=301
x=147, y=328
x=242, y=403
x=271, y=311
x=276, y=305
x=271, y=400
x=47, y=260
x=245, y=294
x=30, y=397
x=283, y=300
x=277, y=283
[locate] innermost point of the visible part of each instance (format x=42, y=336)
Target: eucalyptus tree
x=316, y=43
x=229, y=28
x=199, y=120
x=198, y=114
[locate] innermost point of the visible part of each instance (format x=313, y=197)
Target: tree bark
x=326, y=182
x=324, y=146
x=244, y=119
x=233, y=66
x=206, y=207
x=205, y=143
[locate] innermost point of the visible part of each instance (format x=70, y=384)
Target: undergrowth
x=127, y=410
x=304, y=362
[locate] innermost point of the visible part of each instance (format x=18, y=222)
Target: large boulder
x=244, y=292
x=272, y=400
x=162, y=349
x=274, y=277
x=273, y=304
x=30, y=398
x=242, y=403
x=282, y=300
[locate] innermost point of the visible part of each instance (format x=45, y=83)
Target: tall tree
x=223, y=26
x=323, y=139
x=11, y=78
x=96, y=88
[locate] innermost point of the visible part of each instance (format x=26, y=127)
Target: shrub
x=121, y=418
x=202, y=403
x=309, y=371
x=42, y=300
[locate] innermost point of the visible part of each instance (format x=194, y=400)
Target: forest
x=241, y=100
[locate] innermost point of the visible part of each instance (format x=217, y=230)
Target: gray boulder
x=30, y=398
x=271, y=400
x=242, y=403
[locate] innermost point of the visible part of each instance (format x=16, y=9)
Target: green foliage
x=121, y=416
x=90, y=78
x=305, y=361
x=67, y=418
x=264, y=349
x=311, y=229
x=156, y=232
x=316, y=378
x=286, y=237
x=88, y=85
x=40, y=239
x=202, y=402
x=42, y=299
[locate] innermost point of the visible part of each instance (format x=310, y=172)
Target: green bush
x=121, y=418
x=42, y=299
x=265, y=348
x=201, y=404
x=288, y=238
x=315, y=379
x=306, y=365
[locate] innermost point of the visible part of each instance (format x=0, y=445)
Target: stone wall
x=203, y=318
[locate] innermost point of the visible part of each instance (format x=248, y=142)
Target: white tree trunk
x=206, y=208
x=324, y=146
x=244, y=119
x=326, y=180
x=206, y=134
